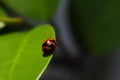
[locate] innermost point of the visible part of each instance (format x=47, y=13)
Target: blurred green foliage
x=3, y=14
x=98, y=21
x=36, y=9
x=4, y=18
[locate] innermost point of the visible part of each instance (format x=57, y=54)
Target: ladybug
x=49, y=45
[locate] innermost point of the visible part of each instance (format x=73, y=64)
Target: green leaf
x=37, y=9
x=98, y=23
x=21, y=56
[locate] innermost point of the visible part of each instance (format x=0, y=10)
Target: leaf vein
x=17, y=56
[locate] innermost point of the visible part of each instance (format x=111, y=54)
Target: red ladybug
x=49, y=45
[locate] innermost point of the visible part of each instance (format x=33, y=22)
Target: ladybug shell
x=49, y=45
